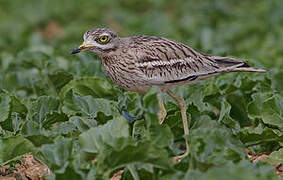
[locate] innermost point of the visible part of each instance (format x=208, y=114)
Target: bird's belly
x=126, y=79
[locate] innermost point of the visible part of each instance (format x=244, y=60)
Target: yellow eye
x=103, y=39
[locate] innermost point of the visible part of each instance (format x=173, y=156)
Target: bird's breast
x=123, y=72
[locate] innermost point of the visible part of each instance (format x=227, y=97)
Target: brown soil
x=261, y=157
x=52, y=30
x=28, y=169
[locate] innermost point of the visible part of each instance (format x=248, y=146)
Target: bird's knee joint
x=182, y=102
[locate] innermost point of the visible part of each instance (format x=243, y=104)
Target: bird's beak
x=81, y=48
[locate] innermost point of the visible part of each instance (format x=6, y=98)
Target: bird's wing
x=165, y=61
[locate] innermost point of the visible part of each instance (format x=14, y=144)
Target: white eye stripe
x=96, y=44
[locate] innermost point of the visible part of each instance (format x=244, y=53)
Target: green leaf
x=160, y=135
x=39, y=140
x=13, y=147
x=54, y=117
x=193, y=94
x=89, y=106
x=18, y=106
x=238, y=103
x=130, y=102
x=213, y=143
x=111, y=134
x=5, y=107
x=269, y=107
x=260, y=134
x=57, y=154
x=139, y=130
x=43, y=106
x=10, y=107
x=59, y=79
x=94, y=86
x=31, y=128
x=150, y=103
x=255, y=107
x=242, y=170
x=68, y=173
x=82, y=124
x=225, y=117
x=142, y=152
x=235, y=171
x=275, y=157
x=272, y=112
x=116, y=149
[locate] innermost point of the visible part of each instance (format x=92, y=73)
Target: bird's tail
x=235, y=64
x=248, y=69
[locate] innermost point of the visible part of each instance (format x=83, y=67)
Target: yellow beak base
x=81, y=48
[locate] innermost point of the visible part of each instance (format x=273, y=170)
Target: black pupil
x=104, y=38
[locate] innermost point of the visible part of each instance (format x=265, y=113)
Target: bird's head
x=98, y=41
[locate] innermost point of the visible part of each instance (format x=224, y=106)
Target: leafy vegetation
x=65, y=111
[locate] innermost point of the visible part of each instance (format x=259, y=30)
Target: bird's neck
x=108, y=59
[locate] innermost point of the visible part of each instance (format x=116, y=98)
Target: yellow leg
x=162, y=111
x=182, y=106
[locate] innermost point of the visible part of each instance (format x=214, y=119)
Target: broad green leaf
x=225, y=117
x=193, y=94
x=80, y=123
x=54, y=117
x=68, y=173
x=259, y=134
x=14, y=147
x=111, y=134
x=238, y=111
x=89, y=106
x=18, y=106
x=142, y=152
x=149, y=101
x=43, y=106
x=94, y=86
x=62, y=128
x=31, y=59
x=130, y=102
x=272, y=112
x=174, y=121
x=268, y=107
x=57, y=154
x=213, y=143
x=240, y=171
x=5, y=107
x=39, y=140
x=160, y=135
x=139, y=130
x=59, y=79
x=275, y=157
x=10, y=111
x=31, y=128
x=255, y=107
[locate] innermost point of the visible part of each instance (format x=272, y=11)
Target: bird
x=136, y=63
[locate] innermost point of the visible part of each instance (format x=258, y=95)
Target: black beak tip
x=75, y=51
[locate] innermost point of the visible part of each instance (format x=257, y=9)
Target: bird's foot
x=131, y=118
x=178, y=159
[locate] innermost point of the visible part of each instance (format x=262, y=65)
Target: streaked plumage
x=140, y=62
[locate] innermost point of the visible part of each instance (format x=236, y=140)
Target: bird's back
x=143, y=61
x=164, y=61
